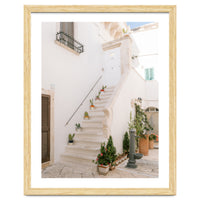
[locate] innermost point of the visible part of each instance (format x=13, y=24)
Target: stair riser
x=92, y=125
x=91, y=121
x=90, y=153
x=101, y=103
x=89, y=144
x=91, y=130
x=76, y=162
x=105, y=98
x=88, y=136
x=97, y=117
x=103, y=106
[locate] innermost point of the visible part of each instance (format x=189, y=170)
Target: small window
x=65, y=37
x=149, y=74
x=67, y=27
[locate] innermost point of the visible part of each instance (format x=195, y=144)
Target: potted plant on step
x=103, y=88
x=92, y=104
x=78, y=127
x=102, y=160
x=86, y=115
x=98, y=96
x=152, y=137
x=106, y=158
x=70, y=139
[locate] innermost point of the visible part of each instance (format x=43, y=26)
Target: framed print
x=99, y=100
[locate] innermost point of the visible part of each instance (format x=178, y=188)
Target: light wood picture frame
x=171, y=10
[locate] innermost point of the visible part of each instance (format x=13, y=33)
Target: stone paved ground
x=147, y=167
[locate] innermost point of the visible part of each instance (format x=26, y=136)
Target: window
x=65, y=38
x=67, y=27
x=149, y=74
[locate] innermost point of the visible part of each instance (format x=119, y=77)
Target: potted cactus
x=70, y=139
x=98, y=96
x=86, y=115
x=103, y=88
x=78, y=127
x=92, y=104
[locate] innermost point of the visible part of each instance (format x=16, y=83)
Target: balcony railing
x=69, y=41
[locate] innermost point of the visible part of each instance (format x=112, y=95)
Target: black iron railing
x=83, y=100
x=69, y=41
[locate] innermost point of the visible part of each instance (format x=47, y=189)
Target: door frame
x=51, y=94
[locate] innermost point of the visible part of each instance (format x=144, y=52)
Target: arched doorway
x=153, y=117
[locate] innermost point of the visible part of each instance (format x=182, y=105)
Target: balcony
x=70, y=42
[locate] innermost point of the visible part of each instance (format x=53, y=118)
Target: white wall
x=133, y=87
x=145, y=46
x=72, y=75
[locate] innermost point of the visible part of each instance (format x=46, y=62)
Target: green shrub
x=111, y=150
x=107, y=154
x=126, y=142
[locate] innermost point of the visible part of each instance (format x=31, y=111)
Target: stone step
x=89, y=142
x=95, y=132
x=91, y=152
x=89, y=125
x=80, y=160
x=111, y=87
x=96, y=110
x=98, y=106
x=101, y=102
x=96, y=115
x=77, y=169
x=89, y=135
x=87, y=128
x=106, y=94
x=105, y=98
x=95, y=121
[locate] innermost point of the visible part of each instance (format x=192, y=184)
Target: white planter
x=78, y=130
x=91, y=108
x=103, y=169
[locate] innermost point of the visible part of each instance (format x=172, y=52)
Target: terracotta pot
x=103, y=169
x=92, y=107
x=151, y=144
x=144, y=145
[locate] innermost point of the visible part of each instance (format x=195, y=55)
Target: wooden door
x=45, y=128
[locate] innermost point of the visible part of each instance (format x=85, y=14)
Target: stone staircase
x=87, y=142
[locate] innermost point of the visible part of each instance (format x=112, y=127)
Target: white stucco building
x=77, y=59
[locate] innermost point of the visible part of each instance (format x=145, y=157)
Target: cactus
x=78, y=126
x=86, y=115
x=70, y=137
x=98, y=96
x=91, y=102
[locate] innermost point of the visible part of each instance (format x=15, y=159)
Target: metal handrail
x=83, y=100
x=69, y=41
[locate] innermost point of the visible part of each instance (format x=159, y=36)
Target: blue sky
x=137, y=24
